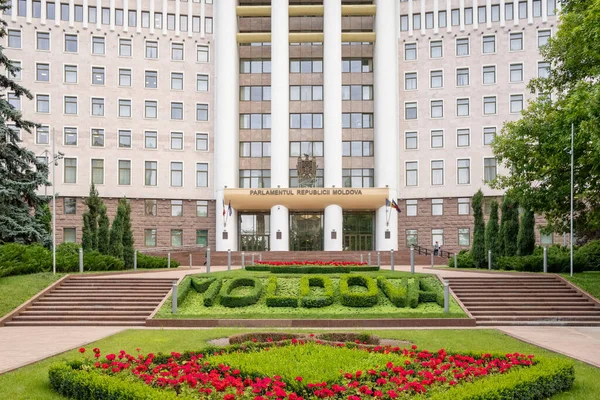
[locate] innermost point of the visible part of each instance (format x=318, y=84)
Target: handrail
x=426, y=251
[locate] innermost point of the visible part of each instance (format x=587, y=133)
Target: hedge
x=183, y=290
x=430, y=293
x=396, y=294
x=535, y=263
x=211, y=294
x=412, y=291
x=241, y=300
x=309, y=301
x=202, y=285
x=146, y=261
x=274, y=300
x=588, y=256
x=358, y=299
x=312, y=269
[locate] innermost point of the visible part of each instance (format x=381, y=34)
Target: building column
x=436, y=10
x=125, y=15
x=386, y=117
x=280, y=119
x=332, y=108
x=43, y=13
x=502, y=14
x=226, y=132
x=462, y=15
x=475, y=15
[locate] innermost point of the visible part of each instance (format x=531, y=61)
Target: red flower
x=298, y=378
x=82, y=350
x=229, y=397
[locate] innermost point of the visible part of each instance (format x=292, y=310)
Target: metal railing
x=426, y=251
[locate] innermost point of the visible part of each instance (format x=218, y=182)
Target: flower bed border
x=312, y=269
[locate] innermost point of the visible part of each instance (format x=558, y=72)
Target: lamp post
x=572, y=190
x=54, y=161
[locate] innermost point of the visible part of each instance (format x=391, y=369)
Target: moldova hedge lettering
x=202, y=285
x=211, y=294
x=397, y=294
x=312, y=269
x=241, y=300
x=316, y=301
x=274, y=300
x=358, y=299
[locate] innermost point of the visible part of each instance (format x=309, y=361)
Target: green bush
x=396, y=294
x=202, y=285
x=211, y=294
x=274, y=300
x=412, y=291
x=588, y=256
x=94, y=261
x=358, y=299
x=557, y=263
x=146, y=261
x=464, y=258
x=311, y=301
x=183, y=290
x=241, y=300
x=430, y=292
x=312, y=269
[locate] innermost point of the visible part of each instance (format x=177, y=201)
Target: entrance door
x=254, y=232
x=306, y=232
x=358, y=231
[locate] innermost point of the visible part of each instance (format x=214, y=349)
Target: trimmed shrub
x=94, y=261
x=430, y=292
x=358, y=299
x=478, y=247
x=202, y=285
x=211, y=294
x=241, y=300
x=274, y=300
x=588, y=256
x=412, y=291
x=396, y=294
x=557, y=263
x=464, y=259
x=183, y=290
x=311, y=301
x=312, y=269
x=146, y=261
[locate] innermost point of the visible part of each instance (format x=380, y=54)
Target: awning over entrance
x=306, y=198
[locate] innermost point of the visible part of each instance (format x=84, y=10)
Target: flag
x=230, y=209
x=387, y=202
x=395, y=206
x=223, y=207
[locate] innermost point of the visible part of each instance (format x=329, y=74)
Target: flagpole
x=572, y=185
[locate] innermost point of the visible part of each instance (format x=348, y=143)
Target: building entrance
x=254, y=232
x=306, y=231
x=359, y=228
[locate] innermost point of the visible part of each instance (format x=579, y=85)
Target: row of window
x=437, y=141
x=306, y=66
x=512, y=10
x=98, y=46
x=464, y=237
x=307, y=121
x=118, y=18
x=463, y=171
x=355, y=148
x=150, y=207
x=463, y=107
x=306, y=93
x=150, y=237
x=351, y=177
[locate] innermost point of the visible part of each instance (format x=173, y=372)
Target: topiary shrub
x=202, y=285
x=183, y=290
x=464, y=258
x=396, y=293
x=211, y=294
x=241, y=300
x=588, y=256
x=275, y=300
x=430, y=292
x=146, y=261
x=412, y=291
x=358, y=299
x=557, y=263
x=95, y=261
x=312, y=269
x=316, y=301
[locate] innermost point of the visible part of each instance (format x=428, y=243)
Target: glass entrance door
x=359, y=228
x=254, y=232
x=306, y=231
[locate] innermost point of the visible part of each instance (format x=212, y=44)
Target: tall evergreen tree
x=103, y=231
x=526, y=236
x=492, y=236
x=501, y=232
x=94, y=203
x=116, y=233
x=478, y=249
x=128, y=248
x=21, y=173
x=86, y=234
x=511, y=226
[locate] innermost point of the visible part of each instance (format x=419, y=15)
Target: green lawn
x=588, y=281
x=31, y=382
x=193, y=306
x=15, y=290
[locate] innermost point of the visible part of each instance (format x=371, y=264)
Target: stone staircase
x=96, y=301
x=525, y=300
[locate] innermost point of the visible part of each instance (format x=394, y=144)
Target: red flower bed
x=422, y=372
x=311, y=263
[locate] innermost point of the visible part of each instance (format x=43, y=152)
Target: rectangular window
x=463, y=171
x=442, y=19
x=97, y=106
x=412, y=173
x=14, y=101
x=70, y=173
x=410, y=111
x=462, y=107
x=489, y=105
x=151, y=79
x=71, y=43
x=131, y=18
x=481, y=14
x=411, y=140
x=516, y=103
x=522, y=10
x=437, y=139
x=50, y=10
x=36, y=9
x=171, y=22
x=509, y=11
x=124, y=172
x=43, y=41
x=462, y=77
x=124, y=108
x=410, y=51
x=42, y=135
x=464, y=206
x=201, y=175
x=255, y=178
x=150, y=207
x=489, y=169
x=124, y=77
x=119, y=17
x=70, y=136
x=202, y=83
x=404, y=23
x=411, y=208
x=176, y=140
x=176, y=174
x=64, y=12
x=208, y=25
x=436, y=49
x=70, y=235
x=411, y=237
x=202, y=53
x=489, y=75
x=201, y=237
x=464, y=237
x=97, y=137
x=489, y=134
x=462, y=47
x=150, y=109
x=92, y=14
x=150, y=237
x=97, y=75
x=437, y=172
x=42, y=103
x=176, y=110
x=489, y=44
x=151, y=49
x=416, y=21
x=315, y=149
x=16, y=75
x=516, y=72
x=410, y=81
x=437, y=108
x=202, y=112
x=125, y=47
x=468, y=16
x=543, y=37
x=124, y=139
x=150, y=173
x=437, y=207
x=157, y=20
x=177, y=51
x=70, y=205
x=358, y=177
x=543, y=69
x=436, y=79
x=176, y=80
x=70, y=105
x=97, y=172
x=429, y=20
x=463, y=138
x=455, y=17
x=176, y=238
x=146, y=19
x=495, y=12
x=105, y=16
x=516, y=41
x=98, y=45
x=202, y=141
x=150, y=139
x=70, y=74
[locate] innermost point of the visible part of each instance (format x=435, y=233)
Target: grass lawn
x=193, y=306
x=31, y=382
x=588, y=281
x=15, y=290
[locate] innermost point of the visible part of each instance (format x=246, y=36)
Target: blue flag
x=387, y=202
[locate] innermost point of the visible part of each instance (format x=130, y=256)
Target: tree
x=509, y=226
x=492, y=239
x=90, y=231
x=116, y=233
x=21, y=173
x=536, y=148
x=478, y=249
x=86, y=234
x=128, y=248
x=526, y=236
x=103, y=231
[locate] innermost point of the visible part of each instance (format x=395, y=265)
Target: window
x=257, y=121
x=70, y=136
x=489, y=134
x=411, y=140
x=150, y=208
x=545, y=238
x=202, y=53
x=177, y=51
x=17, y=74
x=124, y=172
x=131, y=18
x=176, y=140
x=464, y=206
x=70, y=74
x=150, y=109
x=455, y=17
x=97, y=75
x=119, y=17
x=356, y=65
x=92, y=17
x=150, y=139
x=105, y=16
x=404, y=23
x=70, y=172
x=124, y=139
x=202, y=141
x=463, y=171
x=183, y=22
x=410, y=111
x=42, y=72
x=176, y=110
x=201, y=175
x=70, y=104
x=42, y=103
x=463, y=137
x=151, y=79
x=151, y=49
x=202, y=235
x=171, y=22
x=176, y=80
x=50, y=10
x=202, y=112
x=543, y=37
x=509, y=11
x=522, y=10
x=42, y=135
x=437, y=108
x=551, y=7
x=150, y=237
x=462, y=77
x=411, y=237
x=516, y=41
x=43, y=41
x=468, y=16
x=516, y=103
x=437, y=172
x=315, y=121
x=436, y=79
x=202, y=83
x=97, y=172
x=208, y=25
x=495, y=13
x=411, y=208
x=255, y=178
x=412, y=173
x=516, y=72
x=312, y=93
x=429, y=20
x=176, y=238
x=70, y=205
x=437, y=206
x=124, y=108
x=442, y=19
x=70, y=235
x=14, y=101
x=357, y=120
x=98, y=45
x=157, y=20
x=71, y=43
x=489, y=169
x=464, y=237
x=416, y=21
x=255, y=66
x=462, y=47
x=97, y=137
x=410, y=81
x=489, y=74
x=355, y=148
x=410, y=51
x=150, y=173
x=543, y=69
x=358, y=177
x=319, y=180
x=462, y=107
x=537, y=8
x=176, y=174
x=436, y=49
x=437, y=139
x=125, y=47
x=489, y=44
x=146, y=19
x=37, y=9
x=307, y=66
x=97, y=106
x=481, y=17
x=195, y=24
x=124, y=77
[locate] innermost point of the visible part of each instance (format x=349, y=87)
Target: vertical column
x=544, y=11
x=226, y=133
x=13, y=11
x=488, y=13
x=530, y=12
x=332, y=107
x=280, y=114
x=475, y=14
x=410, y=17
x=462, y=15
x=164, y=17
x=29, y=10
x=138, y=16
x=502, y=14
x=152, y=16
x=516, y=9
x=436, y=8
x=43, y=13
x=177, y=19
x=71, y=13
x=98, y=14
x=386, y=117
x=448, y=16
x=85, y=13
x=112, y=15
x=125, y=15
x=56, y=12
x=202, y=16
x=423, y=22
x=190, y=25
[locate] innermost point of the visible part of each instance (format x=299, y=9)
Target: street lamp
x=572, y=190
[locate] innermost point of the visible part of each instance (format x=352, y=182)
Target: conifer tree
x=492, y=236
x=116, y=233
x=526, y=236
x=511, y=226
x=128, y=248
x=90, y=235
x=86, y=234
x=478, y=249
x=103, y=231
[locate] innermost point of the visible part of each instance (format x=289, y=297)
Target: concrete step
x=545, y=307
x=113, y=286
x=528, y=312
x=116, y=318
x=75, y=323
x=513, y=290
x=582, y=318
x=508, y=296
x=106, y=292
x=148, y=308
x=86, y=313
x=537, y=323
x=94, y=296
x=107, y=303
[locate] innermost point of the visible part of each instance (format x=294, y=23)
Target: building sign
x=305, y=192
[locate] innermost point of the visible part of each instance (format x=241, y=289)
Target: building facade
x=277, y=125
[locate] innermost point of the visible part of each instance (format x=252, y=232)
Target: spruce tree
x=526, y=236
x=86, y=234
x=128, y=248
x=492, y=235
x=501, y=231
x=94, y=203
x=478, y=249
x=21, y=173
x=103, y=231
x=116, y=233
x=511, y=227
